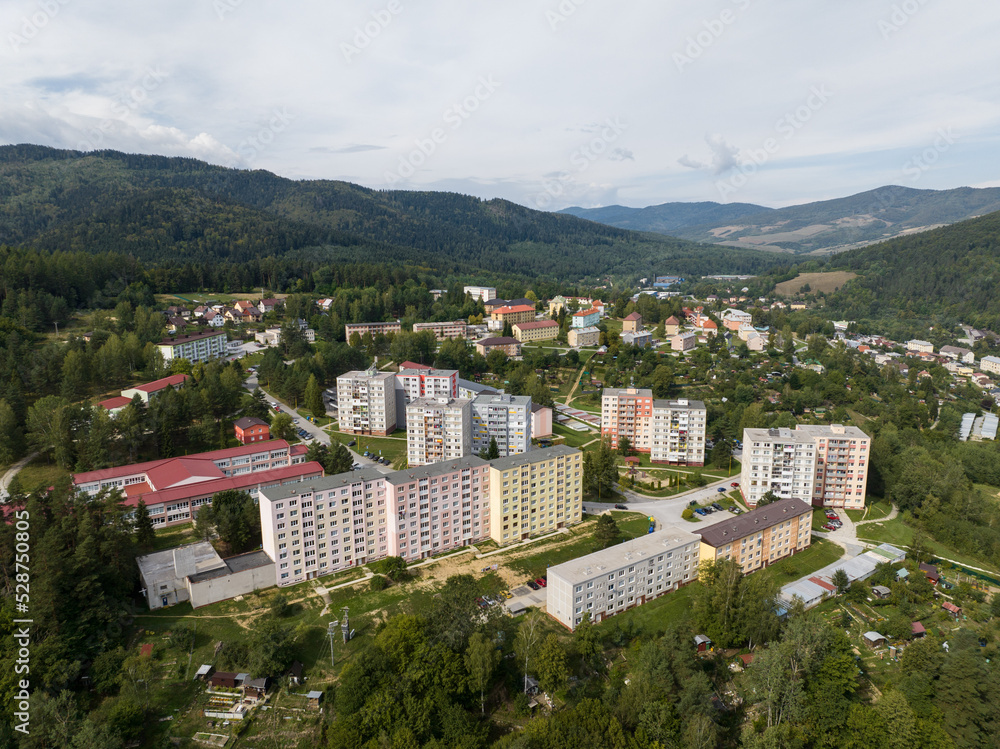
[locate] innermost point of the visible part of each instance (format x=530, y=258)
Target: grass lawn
x=819, y=518
x=573, y=438
x=876, y=510
x=655, y=616
x=817, y=556
x=898, y=533
x=176, y=535
x=391, y=448
x=40, y=473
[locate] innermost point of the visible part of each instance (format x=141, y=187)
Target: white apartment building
x=366, y=402
x=506, y=418
x=924, y=347
x=990, y=364
x=196, y=347
x=824, y=465
x=423, y=382
x=535, y=492
x=481, y=292
x=438, y=429
x=444, y=330
x=622, y=577
x=737, y=315
x=438, y=507
x=678, y=432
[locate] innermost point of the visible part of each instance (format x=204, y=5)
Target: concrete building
x=366, y=402
x=585, y=318
x=541, y=421
x=956, y=353
x=420, y=381
x=760, y=537
x=444, y=330
x=671, y=326
x=677, y=433
x=150, y=389
x=505, y=418
x=196, y=347
x=481, y=292
x=737, y=315
x=632, y=323
x=241, y=574
x=535, y=492
x=174, y=488
x=543, y=330
x=824, y=465
x=683, y=341
x=510, y=346
x=251, y=429
x=923, y=347
x=622, y=577
x=438, y=428
x=627, y=412
x=584, y=336
x=438, y=507
x=641, y=338
x=385, y=328
x=990, y=364
x=513, y=315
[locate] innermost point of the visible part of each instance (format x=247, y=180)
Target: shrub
x=688, y=513
x=379, y=583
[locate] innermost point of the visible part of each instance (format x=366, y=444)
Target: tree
x=144, y=534
x=587, y=639
x=526, y=641
x=625, y=445
x=236, y=520
x=11, y=439
x=481, y=658
x=841, y=580
x=493, y=452
x=552, y=668
x=767, y=498
x=600, y=471
x=496, y=361
x=313, y=398
x=282, y=426
x=607, y=533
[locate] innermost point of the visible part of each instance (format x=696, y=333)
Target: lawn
x=40, y=473
x=388, y=447
x=176, y=535
x=817, y=556
x=572, y=438
x=655, y=616
x=876, y=510
x=899, y=534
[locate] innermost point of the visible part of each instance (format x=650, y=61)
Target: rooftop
x=767, y=516
x=175, y=340
x=249, y=421
x=435, y=469
x=118, y=401
x=634, y=316
x=536, y=325
x=179, y=562
x=511, y=310
x=532, y=456
x=620, y=555
x=502, y=341
x=250, y=560
x=321, y=484
x=682, y=403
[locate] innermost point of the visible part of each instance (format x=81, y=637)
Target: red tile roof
x=634, y=316
x=672, y=321
x=413, y=365
x=117, y=402
x=519, y=308
x=949, y=606
x=536, y=325
x=162, y=384
x=823, y=584
x=917, y=629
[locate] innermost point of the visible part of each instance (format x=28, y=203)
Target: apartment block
x=622, y=577
x=366, y=402
x=585, y=318
x=513, y=315
x=627, y=412
x=683, y=341
x=444, y=330
x=438, y=429
x=923, y=347
x=824, y=465
x=438, y=507
x=990, y=364
x=481, y=292
x=372, y=327
x=584, y=336
x=420, y=381
x=505, y=418
x=678, y=432
x=542, y=330
x=535, y=492
x=632, y=323
x=760, y=537
x=197, y=347
x=510, y=346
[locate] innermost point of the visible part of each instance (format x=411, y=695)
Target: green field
x=899, y=534
x=573, y=438
x=388, y=447
x=655, y=616
x=175, y=535
x=40, y=474
x=876, y=510
x=817, y=556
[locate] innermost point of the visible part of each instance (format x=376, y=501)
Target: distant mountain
x=820, y=228
x=668, y=218
x=171, y=210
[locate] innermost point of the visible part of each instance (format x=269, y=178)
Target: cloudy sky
x=549, y=103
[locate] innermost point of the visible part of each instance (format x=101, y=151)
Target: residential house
x=481, y=292
x=510, y=346
x=268, y=305
x=251, y=429
x=366, y=402
x=672, y=326
x=632, y=322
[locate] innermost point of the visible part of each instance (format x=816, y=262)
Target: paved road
x=317, y=433
x=669, y=509
x=11, y=473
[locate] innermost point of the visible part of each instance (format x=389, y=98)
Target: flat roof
x=174, y=341
x=688, y=404
x=321, y=484
x=733, y=529
x=180, y=561
x=435, y=469
x=242, y=562
x=532, y=456
x=536, y=325
x=620, y=555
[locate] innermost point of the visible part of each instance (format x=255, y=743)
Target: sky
x=548, y=103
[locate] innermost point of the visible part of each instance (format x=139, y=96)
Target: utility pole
x=331, y=630
x=345, y=628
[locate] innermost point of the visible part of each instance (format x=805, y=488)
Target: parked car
x=541, y=582
x=621, y=507
x=532, y=584
x=735, y=484
x=700, y=511
x=721, y=490
x=352, y=443
x=717, y=506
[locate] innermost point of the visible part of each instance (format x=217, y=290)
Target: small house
x=314, y=698
x=702, y=643
x=251, y=429
x=881, y=592
x=746, y=659
x=917, y=630
x=930, y=572
x=204, y=672
x=873, y=639
x=955, y=611
x=241, y=679
x=294, y=674
x=256, y=688
x=225, y=679
x=902, y=573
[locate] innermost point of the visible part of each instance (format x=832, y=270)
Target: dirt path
x=572, y=391
x=12, y=472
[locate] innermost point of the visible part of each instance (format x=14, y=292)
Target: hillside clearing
x=825, y=282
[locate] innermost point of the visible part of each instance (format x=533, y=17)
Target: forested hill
x=171, y=209
x=951, y=272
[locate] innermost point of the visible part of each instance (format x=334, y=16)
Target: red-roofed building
x=251, y=429
x=413, y=365
x=826, y=585
x=917, y=629
x=155, y=387
x=114, y=405
x=173, y=488
x=513, y=315
x=672, y=326
x=632, y=323
x=952, y=609
x=268, y=305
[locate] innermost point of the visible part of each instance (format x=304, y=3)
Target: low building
x=510, y=346
x=114, y=405
x=621, y=577
x=641, y=338
x=990, y=364
x=923, y=347
x=585, y=318
x=541, y=421
x=632, y=322
x=672, y=326
x=873, y=639
x=239, y=576
x=956, y=353
x=481, y=292
x=584, y=336
x=251, y=429
x=683, y=341
x=444, y=330
x=374, y=328
x=150, y=389
x=196, y=347
x=760, y=537
x=543, y=330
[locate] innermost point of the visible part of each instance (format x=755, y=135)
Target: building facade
x=584, y=336
x=641, y=338
x=585, y=318
x=678, y=432
x=627, y=412
x=535, y=492
x=438, y=428
x=251, y=429
x=481, y=292
x=990, y=364
x=760, y=537
x=196, y=347
x=824, y=465
x=632, y=323
x=510, y=346
x=505, y=418
x=444, y=330
x=621, y=577
x=372, y=327
x=543, y=330
x=366, y=402
x=513, y=315
x=683, y=341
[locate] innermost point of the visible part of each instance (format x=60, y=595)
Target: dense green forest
x=172, y=209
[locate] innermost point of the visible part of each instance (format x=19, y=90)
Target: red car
x=735, y=484
x=541, y=582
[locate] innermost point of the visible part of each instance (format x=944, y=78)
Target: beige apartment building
x=760, y=537
x=443, y=330
x=372, y=327
x=535, y=492
x=584, y=336
x=513, y=315
x=366, y=402
x=543, y=330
